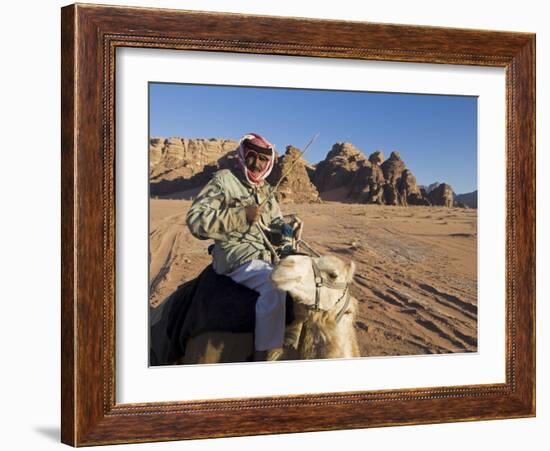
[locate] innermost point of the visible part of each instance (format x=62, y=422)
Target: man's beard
x=254, y=168
x=255, y=174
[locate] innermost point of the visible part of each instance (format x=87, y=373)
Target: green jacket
x=218, y=213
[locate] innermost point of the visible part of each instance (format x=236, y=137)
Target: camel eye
x=333, y=274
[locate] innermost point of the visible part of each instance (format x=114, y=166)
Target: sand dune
x=416, y=278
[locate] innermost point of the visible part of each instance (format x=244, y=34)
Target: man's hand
x=253, y=213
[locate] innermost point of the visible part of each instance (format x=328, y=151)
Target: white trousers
x=270, y=306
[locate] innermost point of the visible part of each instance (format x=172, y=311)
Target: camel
x=323, y=327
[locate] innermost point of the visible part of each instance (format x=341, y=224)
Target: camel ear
x=350, y=269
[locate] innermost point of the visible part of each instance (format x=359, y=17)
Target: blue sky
x=436, y=135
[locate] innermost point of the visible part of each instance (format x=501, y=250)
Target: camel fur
x=312, y=335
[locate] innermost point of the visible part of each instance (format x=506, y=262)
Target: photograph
x=297, y=224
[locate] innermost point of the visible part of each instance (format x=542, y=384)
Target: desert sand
x=416, y=279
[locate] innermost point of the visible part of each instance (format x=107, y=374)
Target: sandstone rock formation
x=346, y=174
x=337, y=169
x=432, y=186
x=375, y=180
x=442, y=195
x=376, y=157
x=409, y=192
x=367, y=184
x=178, y=164
x=181, y=164
x=393, y=167
x=386, y=182
x=297, y=186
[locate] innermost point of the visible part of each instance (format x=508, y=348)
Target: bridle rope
x=320, y=282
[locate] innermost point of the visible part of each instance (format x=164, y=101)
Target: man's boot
x=268, y=356
x=274, y=354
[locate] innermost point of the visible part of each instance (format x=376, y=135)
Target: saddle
x=208, y=303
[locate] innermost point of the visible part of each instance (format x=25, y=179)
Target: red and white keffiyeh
x=252, y=142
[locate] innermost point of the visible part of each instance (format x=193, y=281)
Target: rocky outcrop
x=442, y=195
x=178, y=164
x=296, y=186
x=386, y=182
x=430, y=187
x=346, y=174
x=408, y=190
x=400, y=183
x=393, y=168
x=367, y=184
x=339, y=166
x=374, y=180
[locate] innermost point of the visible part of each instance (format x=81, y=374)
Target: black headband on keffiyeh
x=263, y=150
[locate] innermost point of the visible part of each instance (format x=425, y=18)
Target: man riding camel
x=229, y=210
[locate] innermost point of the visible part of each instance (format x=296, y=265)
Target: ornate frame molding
x=90, y=36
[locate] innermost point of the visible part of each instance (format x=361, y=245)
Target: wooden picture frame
x=90, y=36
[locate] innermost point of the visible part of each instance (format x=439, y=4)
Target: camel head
x=295, y=274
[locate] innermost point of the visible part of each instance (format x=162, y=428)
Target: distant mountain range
x=468, y=199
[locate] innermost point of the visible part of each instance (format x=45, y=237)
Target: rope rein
x=319, y=280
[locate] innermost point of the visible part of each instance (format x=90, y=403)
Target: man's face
x=256, y=162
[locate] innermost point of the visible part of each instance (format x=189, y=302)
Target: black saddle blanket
x=211, y=302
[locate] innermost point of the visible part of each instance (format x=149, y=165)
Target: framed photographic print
x=268, y=219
